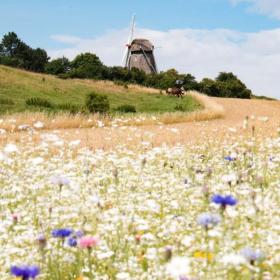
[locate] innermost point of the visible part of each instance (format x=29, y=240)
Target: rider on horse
x=178, y=89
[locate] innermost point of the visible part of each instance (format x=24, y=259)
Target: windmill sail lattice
x=139, y=53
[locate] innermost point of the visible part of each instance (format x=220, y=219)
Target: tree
x=168, y=78
x=225, y=85
x=85, y=59
x=226, y=77
x=118, y=73
x=39, y=59
x=137, y=76
x=10, y=45
x=58, y=66
x=14, y=52
x=189, y=82
x=163, y=80
x=231, y=86
x=209, y=87
x=88, y=65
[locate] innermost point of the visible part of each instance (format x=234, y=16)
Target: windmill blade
x=132, y=29
x=156, y=67
x=125, y=57
x=127, y=62
x=129, y=41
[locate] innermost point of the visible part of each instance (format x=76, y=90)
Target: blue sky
x=35, y=21
x=201, y=37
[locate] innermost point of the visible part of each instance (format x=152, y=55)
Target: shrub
x=72, y=108
x=6, y=101
x=39, y=102
x=126, y=108
x=180, y=108
x=97, y=103
x=58, y=66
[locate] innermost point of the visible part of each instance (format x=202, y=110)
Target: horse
x=179, y=92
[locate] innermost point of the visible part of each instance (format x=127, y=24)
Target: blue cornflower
x=251, y=255
x=25, y=272
x=224, y=201
x=62, y=233
x=208, y=219
x=72, y=242
x=229, y=158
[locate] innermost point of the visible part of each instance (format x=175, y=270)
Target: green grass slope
x=16, y=86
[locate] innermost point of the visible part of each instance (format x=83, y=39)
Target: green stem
x=90, y=264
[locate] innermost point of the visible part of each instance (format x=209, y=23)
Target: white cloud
x=71, y=40
x=266, y=7
x=254, y=57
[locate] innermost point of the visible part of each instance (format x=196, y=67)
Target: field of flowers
x=186, y=212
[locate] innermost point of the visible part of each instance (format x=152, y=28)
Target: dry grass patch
x=40, y=120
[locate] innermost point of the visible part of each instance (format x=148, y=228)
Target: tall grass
x=211, y=110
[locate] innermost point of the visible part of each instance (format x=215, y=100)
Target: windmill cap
x=141, y=44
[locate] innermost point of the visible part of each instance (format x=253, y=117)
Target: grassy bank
x=63, y=120
x=17, y=86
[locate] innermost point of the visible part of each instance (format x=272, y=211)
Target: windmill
x=139, y=53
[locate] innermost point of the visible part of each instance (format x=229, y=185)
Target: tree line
x=15, y=53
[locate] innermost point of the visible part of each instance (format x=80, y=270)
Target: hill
x=16, y=86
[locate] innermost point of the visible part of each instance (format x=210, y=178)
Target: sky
x=201, y=37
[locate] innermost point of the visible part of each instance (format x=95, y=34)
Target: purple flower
x=25, y=272
x=229, y=158
x=251, y=255
x=62, y=233
x=79, y=233
x=208, y=219
x=184, y=278
x=72, y=242
x=224, y=201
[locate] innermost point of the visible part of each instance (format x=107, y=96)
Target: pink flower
x=87, y=242
x=15, y=218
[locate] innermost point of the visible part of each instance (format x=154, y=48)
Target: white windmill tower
x=139, y=53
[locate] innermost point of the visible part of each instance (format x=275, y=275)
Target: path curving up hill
x=263, y=115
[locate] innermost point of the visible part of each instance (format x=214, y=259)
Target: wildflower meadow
x=207, y=211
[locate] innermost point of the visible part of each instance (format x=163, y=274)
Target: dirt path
x=263, y=115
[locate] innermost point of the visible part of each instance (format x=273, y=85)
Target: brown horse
x=179, y=92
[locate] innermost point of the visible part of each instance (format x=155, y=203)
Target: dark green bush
x=97, y=103
x=225, y=85
x=180, y=108
x=6, y=101
x=39, y=102
x=72, y=108
x=126, y=108
x=58, y=66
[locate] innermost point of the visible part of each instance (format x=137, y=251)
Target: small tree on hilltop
x=58, y=66
x=89, y=66
x=230, y=86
